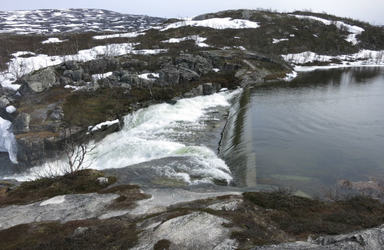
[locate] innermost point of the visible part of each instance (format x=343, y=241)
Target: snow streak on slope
x=215, y=23
x=72, y=20
x=161, y=131
x=362, y=58
x=354, y=30
x=199, y=41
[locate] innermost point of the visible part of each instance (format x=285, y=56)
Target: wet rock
x=208, y=89
x=62, y=208
x=41, y=80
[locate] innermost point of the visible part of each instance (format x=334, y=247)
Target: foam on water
x=150, y=134
x=7, y=140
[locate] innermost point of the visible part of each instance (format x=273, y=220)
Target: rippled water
x=310, y=133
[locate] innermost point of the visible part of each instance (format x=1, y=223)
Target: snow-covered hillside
x=71, y=20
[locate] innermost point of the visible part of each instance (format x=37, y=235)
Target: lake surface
x=308, y=134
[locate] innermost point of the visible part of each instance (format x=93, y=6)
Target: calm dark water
x=310, y=133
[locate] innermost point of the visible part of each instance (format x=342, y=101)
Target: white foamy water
x=7, y=140
x=152, y=133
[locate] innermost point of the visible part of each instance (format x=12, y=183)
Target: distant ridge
x=50, y=21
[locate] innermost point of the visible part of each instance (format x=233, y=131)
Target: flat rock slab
x=198, y=230
x=165, y=197
x=61, y=208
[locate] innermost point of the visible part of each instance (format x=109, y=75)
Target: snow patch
x=23, y=53
x=274, y=41
x=10, y=109
x=121, y=35
x=53, y=40
x=215, y=23
x=149, y=76
x=198, y=40
x=362, y=58
x=290, y=76
x=103, y=125
x=96, y=77
x=353, y=29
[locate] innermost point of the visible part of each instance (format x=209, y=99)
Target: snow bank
x=354, y=30
x=53, y=40
x=215, y=23
x=362, y=58
x=198, y=40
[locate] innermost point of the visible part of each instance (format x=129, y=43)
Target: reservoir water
x=309, y=133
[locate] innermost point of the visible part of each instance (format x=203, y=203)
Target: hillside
x=79, y=76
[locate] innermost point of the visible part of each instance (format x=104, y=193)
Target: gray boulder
x=196, y=63
x=21, y=123
x=41, y=80
x=169, y=76
x=4, y=102
x=188, y=75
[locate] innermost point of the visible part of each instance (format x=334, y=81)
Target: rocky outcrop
x=46, y=106
x=60, y=208
x=188, y=232
x=370, y=239
x=39, y=81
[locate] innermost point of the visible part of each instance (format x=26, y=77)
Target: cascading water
x=162, y=131
x=7, y=140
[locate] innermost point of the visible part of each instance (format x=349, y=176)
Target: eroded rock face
x=60, y=208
